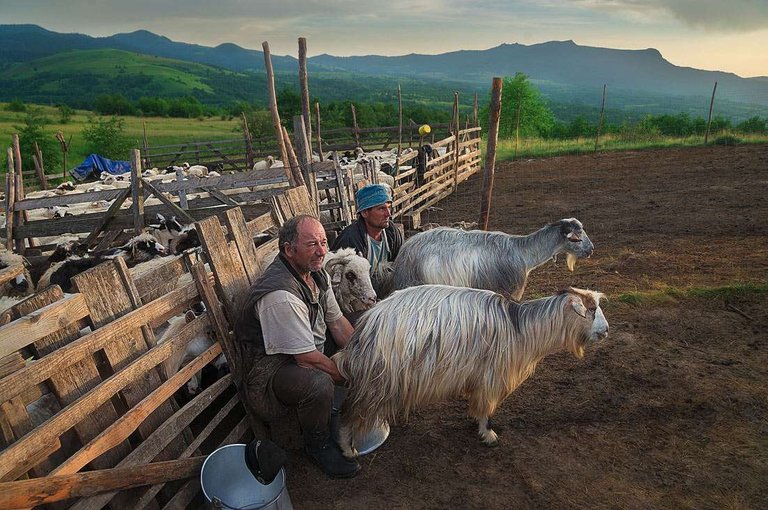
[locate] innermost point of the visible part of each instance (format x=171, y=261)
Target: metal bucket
x=369, y=443
x=228, y=483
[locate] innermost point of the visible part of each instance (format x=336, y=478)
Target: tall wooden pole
x=600, y=121
x=490, y=154
x=319, y=140
x=709, y=118
x=10, y=200
x=273, y=103
x=355, y=130
x=304, y=154
x=305, y=111
x=457, y=141
x=399, y=121
x=517, y=121
x=249, y=155
x=474, y=113
x=137, y=192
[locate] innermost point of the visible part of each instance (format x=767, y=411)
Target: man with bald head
x=281, y=332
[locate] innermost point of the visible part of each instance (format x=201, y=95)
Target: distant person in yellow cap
x=372, y=235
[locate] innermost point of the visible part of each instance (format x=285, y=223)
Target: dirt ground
x=671, y=411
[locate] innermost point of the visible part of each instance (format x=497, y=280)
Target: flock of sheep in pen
x=447, y=323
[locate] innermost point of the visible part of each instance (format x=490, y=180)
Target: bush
x=33, y=131
x=17, y=105
x=105, y=137
x=65, y=113
x=726, y=140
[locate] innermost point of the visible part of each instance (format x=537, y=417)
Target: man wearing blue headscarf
x=372, y=235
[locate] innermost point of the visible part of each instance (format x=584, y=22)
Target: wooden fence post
x=517, y=121
x=292, y=165
x=37, y=159
x=490, y=154
x=304, y=84
x=273, y=103
x=709, y=118
x=600, y=122
x=355, y=130
x=399, y=122
x=457, y=142
x=10, y=200
x=249, y=157
x=475, y=122
x=64, y=150
x=304, y=154
x=137, y=192
x=319, y=140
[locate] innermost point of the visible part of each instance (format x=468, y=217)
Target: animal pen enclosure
x=92, y=360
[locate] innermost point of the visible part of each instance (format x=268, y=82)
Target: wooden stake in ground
x=37, y=159
x=319, y=140
x=399, y=122
x=355, y=130
x=600, y=122
x=709, y=118
x=490, y=154
x=64, y=150
x=10, y=199
x=273, y=103
x=305, y=90
x=137, y=192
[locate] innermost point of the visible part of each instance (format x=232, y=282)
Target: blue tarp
x=95, y=164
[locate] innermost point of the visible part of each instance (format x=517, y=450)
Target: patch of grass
x=540, y=148
x=671, y=294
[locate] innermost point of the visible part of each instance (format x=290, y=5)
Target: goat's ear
x=578, y=306
x=189, y=316
x=336, y=273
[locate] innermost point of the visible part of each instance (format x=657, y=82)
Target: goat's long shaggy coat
x=434, y=342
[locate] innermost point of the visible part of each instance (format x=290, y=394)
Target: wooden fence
x=116, y=435
x=454, y=159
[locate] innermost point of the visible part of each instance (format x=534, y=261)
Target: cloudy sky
x=730, y=35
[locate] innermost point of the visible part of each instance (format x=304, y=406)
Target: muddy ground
x=671, y=411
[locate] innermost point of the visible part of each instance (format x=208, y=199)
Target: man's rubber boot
x=327, y=455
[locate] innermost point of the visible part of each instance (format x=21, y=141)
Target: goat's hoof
x=350, y=453
x=489, y=438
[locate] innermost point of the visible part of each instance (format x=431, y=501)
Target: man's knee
x=319, y=385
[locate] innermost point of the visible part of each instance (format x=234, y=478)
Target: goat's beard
x=570, y=261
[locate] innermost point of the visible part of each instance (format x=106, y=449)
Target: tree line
x=527, y=114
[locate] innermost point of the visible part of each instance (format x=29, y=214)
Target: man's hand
x=318, y=360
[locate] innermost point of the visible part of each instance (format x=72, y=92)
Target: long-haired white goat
x=434, y=342
x=485, y=260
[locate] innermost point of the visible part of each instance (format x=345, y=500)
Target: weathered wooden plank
x=10, y=272
x=189, y=490
x=147, y=450
x=57, y=488
x=229, y=273
x=153, y=281
x=69, y=199
x=69, y=354
x=72, y=382
x=41, y=323
x=178, y=211
x=107, y=217
x=16, y=455
x=109, y=291
x=260, y=224
x=137, y=415
x=201, y=436
x=243, y=240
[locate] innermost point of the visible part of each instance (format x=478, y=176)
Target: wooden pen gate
x=116, y=436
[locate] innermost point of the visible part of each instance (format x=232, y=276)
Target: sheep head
x=575, y=241
x=586, y=318
x=350, y=280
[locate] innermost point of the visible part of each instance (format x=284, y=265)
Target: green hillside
x=76, y=77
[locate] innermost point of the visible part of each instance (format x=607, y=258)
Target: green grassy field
x=166, y=131
x=538, y=148
x=160, y=131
